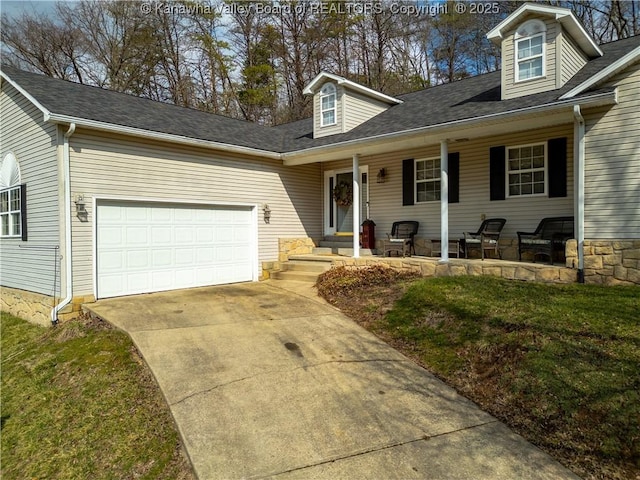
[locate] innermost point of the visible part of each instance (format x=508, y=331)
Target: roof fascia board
x=27, y=95
x=137, y=132
x=605, y=73
x=309, y=89
x=298, y=157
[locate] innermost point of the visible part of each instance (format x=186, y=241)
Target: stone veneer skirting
x=36, y=308
x=294, y=246
x=608, y=262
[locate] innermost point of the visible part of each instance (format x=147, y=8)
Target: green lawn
x=79, y=403
x=559, y=363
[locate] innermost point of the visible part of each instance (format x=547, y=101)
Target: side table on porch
x=454, y=247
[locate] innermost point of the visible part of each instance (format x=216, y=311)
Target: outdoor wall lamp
x=267, y=213
x=382, y=175
x=81, y=208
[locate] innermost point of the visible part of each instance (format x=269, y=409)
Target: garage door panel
x=136, y=236
x=151, y=247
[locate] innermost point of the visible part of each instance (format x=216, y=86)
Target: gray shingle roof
x=464, y=99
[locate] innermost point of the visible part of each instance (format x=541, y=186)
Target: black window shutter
x=408, y=187
x=497, y=172
x=23, y=211
x=454, y=177
x=557, y=157
x=331, y=187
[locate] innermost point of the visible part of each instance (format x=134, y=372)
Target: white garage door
x=150, y=247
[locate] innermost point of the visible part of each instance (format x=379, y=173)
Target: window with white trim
x=529, y=50
x=328, y=105
x=10, y=212
x=526, y=170
x=428, y=180
x=12, y=198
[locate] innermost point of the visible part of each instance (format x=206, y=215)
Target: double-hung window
x=11, y=212
x=526, y=170
x=427, y=180
x=328, y=105
x=530, y=39
x=13, y=198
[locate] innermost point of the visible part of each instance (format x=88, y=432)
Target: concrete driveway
x=266, y=380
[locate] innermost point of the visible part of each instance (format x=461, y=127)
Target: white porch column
x=578, y=201
x=356, y=206
x=444, y=201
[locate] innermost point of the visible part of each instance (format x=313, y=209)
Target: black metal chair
x=486, y=238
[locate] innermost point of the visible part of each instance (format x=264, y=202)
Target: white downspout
x=444, y=201
x=356, y=206
x=66, y=171
x=578, y=202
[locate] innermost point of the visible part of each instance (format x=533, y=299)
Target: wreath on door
x=343, y=194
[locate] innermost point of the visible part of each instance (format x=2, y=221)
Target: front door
x=338, y=209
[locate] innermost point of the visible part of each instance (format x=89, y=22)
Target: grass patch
x=79, y=402
x=560, y=364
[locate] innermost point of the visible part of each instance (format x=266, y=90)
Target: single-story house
x=105, y=194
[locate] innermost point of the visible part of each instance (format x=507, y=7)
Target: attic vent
x=9, y=172
x=530, y=28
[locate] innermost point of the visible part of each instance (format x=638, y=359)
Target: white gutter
x=164, y=137
x=605, y=98
x=578, y=166
x=66, y=170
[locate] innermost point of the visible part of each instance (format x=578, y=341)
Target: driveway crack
x=304, y=367
x=373, y=450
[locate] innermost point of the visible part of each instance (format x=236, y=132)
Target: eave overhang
x=523, y=119
x=322, y=77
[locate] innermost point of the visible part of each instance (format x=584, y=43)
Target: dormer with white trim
x=543, y=47
x=340, y=105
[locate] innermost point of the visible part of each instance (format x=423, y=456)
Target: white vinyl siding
x=572, y=59
x=105, y=166
x=612, y=171
x=358, y=109
x=511, y=86
x=352, y=109
x=522, y=213
x=34, y=145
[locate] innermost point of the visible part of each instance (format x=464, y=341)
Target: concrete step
x=322, y=251
x=298, y=276
x=338, y=238
x=306, y=266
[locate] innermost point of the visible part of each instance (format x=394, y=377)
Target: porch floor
x=434, y=267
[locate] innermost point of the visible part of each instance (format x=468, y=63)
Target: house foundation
x=36, y=308
x=607, y=262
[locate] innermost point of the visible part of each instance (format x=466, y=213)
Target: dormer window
x=529, y=45
x=328, y=105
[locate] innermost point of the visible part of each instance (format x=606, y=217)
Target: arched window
x=530, y=50
x=328, y=105
x=13, y=212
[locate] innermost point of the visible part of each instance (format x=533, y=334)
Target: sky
x=15, y=8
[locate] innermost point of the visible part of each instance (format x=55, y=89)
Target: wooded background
x=252, y=60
